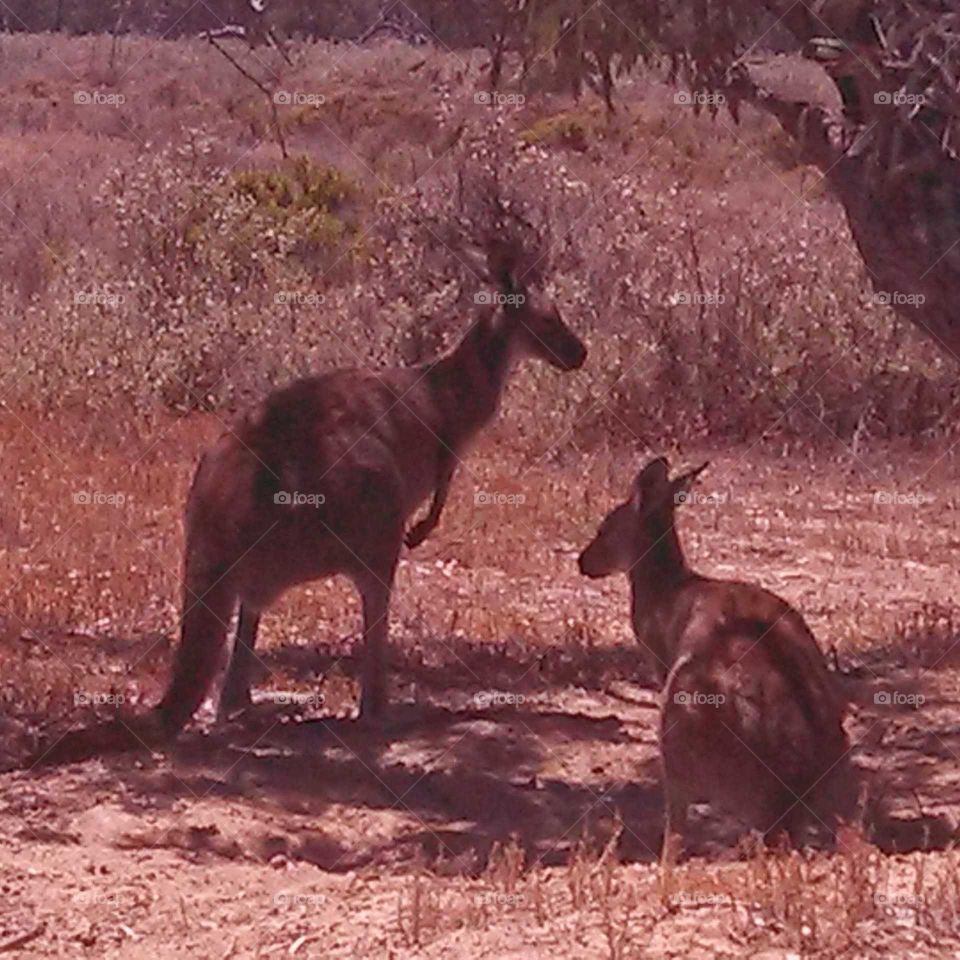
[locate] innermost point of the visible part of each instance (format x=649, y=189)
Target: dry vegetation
x=161, y=264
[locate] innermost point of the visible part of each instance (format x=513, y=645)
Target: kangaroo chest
x=652, y=628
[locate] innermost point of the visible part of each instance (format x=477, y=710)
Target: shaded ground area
x=512, y=805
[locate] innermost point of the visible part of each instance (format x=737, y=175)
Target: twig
x=262, y=87
x=183, y=913
x=20, y=940
x=115, y=42
x=698, y=273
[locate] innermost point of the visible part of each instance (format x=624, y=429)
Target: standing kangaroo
x=751, y=719
x=322, y=478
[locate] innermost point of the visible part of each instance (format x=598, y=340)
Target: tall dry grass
x=158, y=252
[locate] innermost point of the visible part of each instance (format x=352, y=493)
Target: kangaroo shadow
x=460, y=782
x=460, y=779
x=905, y=733
x=458, y=664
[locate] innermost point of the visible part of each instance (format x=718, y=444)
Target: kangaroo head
x=640, y=530
x=535, y=328
x=528, y=320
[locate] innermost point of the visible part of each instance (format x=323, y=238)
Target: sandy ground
x=511, y=807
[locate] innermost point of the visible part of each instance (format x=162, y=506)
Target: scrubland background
x=162, y=265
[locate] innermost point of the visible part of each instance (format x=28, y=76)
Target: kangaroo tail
x=209, y=598
x=208, y=604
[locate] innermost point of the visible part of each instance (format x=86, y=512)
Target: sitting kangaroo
x=752, y=718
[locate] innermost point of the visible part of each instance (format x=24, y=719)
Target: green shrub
x=575, y=130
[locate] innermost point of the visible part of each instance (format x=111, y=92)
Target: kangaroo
x=322, y=478
x=751, y=717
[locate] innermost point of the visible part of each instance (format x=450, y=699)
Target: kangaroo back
x=745, y=726
x=714, y=611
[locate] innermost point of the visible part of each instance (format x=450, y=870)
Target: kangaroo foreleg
x=421, y=530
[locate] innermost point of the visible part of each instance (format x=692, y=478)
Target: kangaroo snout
x=574, y=356
x=588, y=565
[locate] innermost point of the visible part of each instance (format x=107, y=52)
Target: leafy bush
x=716, y=305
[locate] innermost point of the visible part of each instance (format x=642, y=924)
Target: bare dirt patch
x=511, y=807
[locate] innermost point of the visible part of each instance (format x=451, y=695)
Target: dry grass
x=143, y=275
x=92, y=547
x=522, y=825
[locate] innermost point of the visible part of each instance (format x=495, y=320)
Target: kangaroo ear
x=652, y=481
x=653, y=475
x=475, y=262
x=683, y=483
x=503, y=263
